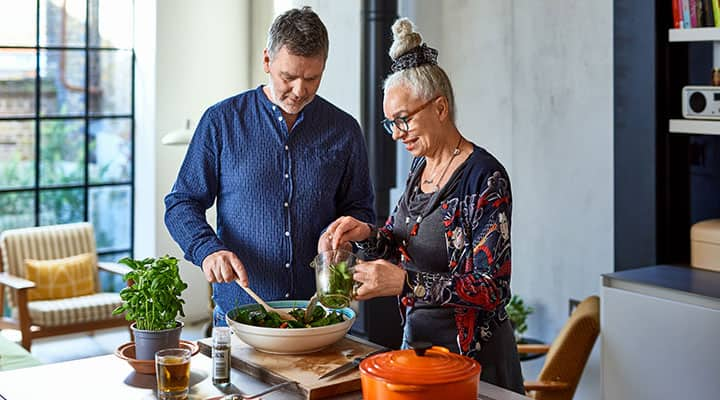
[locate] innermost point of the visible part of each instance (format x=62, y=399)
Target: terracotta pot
x=423, y=372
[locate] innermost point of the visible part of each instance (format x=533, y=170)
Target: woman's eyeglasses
x=402, y=123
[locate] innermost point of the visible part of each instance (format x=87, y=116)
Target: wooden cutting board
x=303, y=369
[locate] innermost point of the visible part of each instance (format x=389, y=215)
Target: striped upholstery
x=44, y=243
x=89, y=308
x=54, y=242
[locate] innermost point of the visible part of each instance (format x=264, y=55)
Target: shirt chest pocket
x=320, y=173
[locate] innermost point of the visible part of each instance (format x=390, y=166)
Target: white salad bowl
x=295, y=340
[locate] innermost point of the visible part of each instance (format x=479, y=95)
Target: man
x=281, y=163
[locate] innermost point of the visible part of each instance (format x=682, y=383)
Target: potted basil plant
x=152, y=300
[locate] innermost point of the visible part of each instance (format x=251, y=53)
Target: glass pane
x=111, y=23
x=62, y=152
x=61, y=206
x=110, y=216
x=17, y=82
x=110, y=282
x=110, y=82
x=109, y=156
x=62, y=22
x=17, y=210
x=63, y=88
x=17, y=23
x=17, y=154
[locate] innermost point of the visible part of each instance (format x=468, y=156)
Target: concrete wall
x=534, y=87
x=563, y=159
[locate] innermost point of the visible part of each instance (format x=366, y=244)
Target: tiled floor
x=76, y=346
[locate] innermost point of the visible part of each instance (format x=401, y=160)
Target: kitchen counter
x=663, y=316
x=110, y=378
x=694, y=285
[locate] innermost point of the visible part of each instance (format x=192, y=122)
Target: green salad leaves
x=340, y=287
x=259, y=317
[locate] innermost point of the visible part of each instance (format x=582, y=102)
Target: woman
x=445, y=251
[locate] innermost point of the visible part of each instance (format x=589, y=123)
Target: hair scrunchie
x=416, y=57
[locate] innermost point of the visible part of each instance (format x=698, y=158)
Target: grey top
x=427, y=249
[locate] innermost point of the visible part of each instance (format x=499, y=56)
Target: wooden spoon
x=284, y=315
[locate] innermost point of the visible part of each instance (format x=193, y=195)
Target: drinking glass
x=172, y=367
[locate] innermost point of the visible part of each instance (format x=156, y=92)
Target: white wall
x=203, y=53
x=201, y=57
x=341, y=79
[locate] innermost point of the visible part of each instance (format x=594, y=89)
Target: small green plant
x=152, y=297
x=518, y=313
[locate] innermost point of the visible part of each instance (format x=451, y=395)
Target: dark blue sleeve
x=355, y=196
x=195, y=191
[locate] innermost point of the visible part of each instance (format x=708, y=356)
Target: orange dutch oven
x=423, y=372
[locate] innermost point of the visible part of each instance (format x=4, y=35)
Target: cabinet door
x=656, y=348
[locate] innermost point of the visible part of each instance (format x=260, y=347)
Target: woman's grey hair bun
x=419, y=72
x=404, y=38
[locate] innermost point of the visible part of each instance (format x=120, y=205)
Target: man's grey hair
x=301, y=31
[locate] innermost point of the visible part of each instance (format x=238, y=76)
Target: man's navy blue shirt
x=275, y=191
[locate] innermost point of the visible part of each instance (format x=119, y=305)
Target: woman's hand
x=379, y=278
x=341, y=231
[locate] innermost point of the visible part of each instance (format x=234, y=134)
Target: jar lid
x=423, y=363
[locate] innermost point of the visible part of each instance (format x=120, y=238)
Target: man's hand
x=224, y=266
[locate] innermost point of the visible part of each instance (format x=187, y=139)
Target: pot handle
x=396, y=387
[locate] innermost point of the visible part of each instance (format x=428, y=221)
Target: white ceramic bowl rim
x=288, y=305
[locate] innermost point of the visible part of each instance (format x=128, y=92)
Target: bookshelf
x=687, y=126
x=694, y=35
x=695, y=126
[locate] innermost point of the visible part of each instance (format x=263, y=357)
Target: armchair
x=58, y=315
x=567, y=355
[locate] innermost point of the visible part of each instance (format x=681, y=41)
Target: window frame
x=87, y=117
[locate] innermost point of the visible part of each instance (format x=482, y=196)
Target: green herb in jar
x=340, y=287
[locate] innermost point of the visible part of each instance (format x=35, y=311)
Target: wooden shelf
x=695, y=126
x=694, y=35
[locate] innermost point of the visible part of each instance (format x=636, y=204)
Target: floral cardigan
x=476, y=218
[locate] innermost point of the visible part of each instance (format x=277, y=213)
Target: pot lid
x=424, y=364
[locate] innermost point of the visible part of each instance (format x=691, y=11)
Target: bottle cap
x=221, y=334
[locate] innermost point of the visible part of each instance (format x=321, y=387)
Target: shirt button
x=287, y=295
x=279, y=118
x=287, y=176
x=286, y=204
x=287, y=265
x=287, y=147
x=287, y=233
x=274, y=108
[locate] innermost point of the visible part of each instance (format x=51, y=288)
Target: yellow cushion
x=61, y=278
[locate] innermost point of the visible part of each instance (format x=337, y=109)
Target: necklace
x=431, y=202
x=455, y=153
